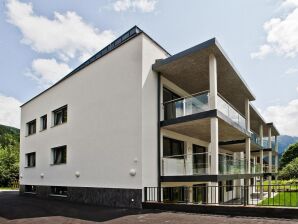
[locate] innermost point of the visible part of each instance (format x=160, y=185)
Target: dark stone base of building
x=112, y=197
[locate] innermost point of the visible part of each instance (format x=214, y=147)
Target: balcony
x=255, y=138
x=199, y=164
x=198, y=103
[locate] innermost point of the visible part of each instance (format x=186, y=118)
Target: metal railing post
x=145, y=194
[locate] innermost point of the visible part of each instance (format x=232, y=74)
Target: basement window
x=59, y=191
x=30, y=189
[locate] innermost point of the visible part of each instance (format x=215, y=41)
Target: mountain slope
x=9, y=136
x=284, y=141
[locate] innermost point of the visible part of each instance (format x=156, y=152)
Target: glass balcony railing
x=199, y=103
x=255, y=138
x=187, y=164
x=186, y=106
x=228, y=110
x=198, y=164
x=232, y=166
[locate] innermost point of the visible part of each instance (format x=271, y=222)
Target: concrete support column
x=188, y=159
x=276, y=151
x=214, y=146
x=261, y=178
x=212, y=82
x=247, y=141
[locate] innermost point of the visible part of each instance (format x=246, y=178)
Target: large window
x=43, y=122
x=59, y=155
x=31, y=127
x=60, y=115
x=170, y=106
x=30, y=159
x=174, y=194
x=172, y=147
x=199, y=159
x=59, y=191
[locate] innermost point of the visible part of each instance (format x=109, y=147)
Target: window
x=60, y=115
x=30, y=189
x=59, y=191
x=31, y=127
x=59, y=155
x=229, y=185
x=30, y=159
x=170, y=106
x=172, y=147
x=43, y=122
x=174, y=194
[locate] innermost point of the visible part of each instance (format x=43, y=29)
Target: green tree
x=9, y=165
x=290, y=171
x=290, y=154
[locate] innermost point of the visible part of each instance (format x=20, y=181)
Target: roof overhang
x=189, y=70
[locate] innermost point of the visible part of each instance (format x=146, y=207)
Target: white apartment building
x=133, y=116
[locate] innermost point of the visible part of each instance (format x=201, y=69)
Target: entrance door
x=199, y=160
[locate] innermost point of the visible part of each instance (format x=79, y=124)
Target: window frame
x=43, y=125
x=27, y=159
x=171, y=152
x=28, y=125
x=53, y=156
x=64, y=115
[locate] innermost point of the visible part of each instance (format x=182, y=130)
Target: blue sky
x=42, y=40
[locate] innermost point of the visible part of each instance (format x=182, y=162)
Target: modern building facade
x=134, y=116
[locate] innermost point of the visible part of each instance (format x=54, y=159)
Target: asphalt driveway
x=20, y=209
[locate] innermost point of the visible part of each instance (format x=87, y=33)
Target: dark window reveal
x=60, y=115
x=31, y=127
x=173, y=147
x=30, y=159
x=59, y=155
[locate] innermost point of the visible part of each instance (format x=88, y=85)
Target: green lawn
x=289, y=199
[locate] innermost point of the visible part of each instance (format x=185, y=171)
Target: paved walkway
x=15, y=209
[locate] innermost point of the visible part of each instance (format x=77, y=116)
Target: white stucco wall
x=150, y=52
x=103, y=133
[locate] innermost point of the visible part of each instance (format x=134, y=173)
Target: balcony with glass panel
x=199, y=164
x=198, y=103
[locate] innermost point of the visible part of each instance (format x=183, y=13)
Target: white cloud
x=48, y=71
x=9, y=111
x=263, y=51
x=281, y=33
x=285, y=117
x=142, y=5
x=289, y=3
x=291, y=71
x=66, y=35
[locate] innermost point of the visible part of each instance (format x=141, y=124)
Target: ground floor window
x=174, y=194
x=199, y=193
x=229, y=185
x=59, y=191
